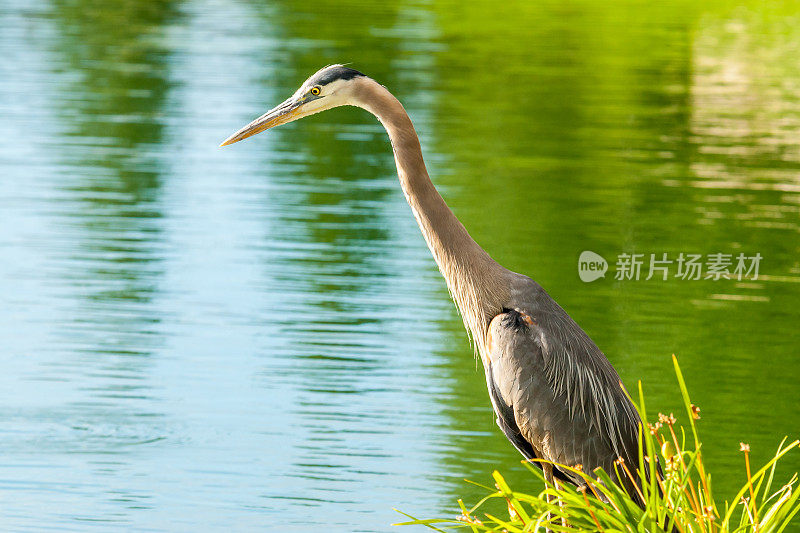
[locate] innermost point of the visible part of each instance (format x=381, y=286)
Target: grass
x=681, y=500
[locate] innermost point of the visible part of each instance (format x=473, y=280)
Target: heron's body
x=555, y=394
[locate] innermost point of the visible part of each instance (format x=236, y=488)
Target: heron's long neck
x=477, y=283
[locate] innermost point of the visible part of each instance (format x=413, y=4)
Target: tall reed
x=679, y=500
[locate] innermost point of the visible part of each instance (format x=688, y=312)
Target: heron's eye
x=315, y=91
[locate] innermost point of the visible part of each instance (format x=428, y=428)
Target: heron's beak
x=288, y=111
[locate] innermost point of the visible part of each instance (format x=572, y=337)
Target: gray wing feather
x=567, y=400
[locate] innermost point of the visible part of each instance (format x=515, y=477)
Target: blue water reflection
x=257, y=338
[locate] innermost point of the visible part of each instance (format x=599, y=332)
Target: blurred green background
x=257, y=337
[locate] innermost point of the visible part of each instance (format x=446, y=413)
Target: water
x=257, y=337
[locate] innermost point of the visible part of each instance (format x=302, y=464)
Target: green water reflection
x=256, y=337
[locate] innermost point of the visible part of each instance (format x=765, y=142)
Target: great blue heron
x=555, y=394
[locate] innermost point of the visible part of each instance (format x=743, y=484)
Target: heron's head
x=329, y=87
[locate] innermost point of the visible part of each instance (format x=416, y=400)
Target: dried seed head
x=469, y=519
x=709, y=513
x=673, y=463
x=464, y=517
x=744, y=447
x=664, y=419
x=695, y=412
x=579, y=467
